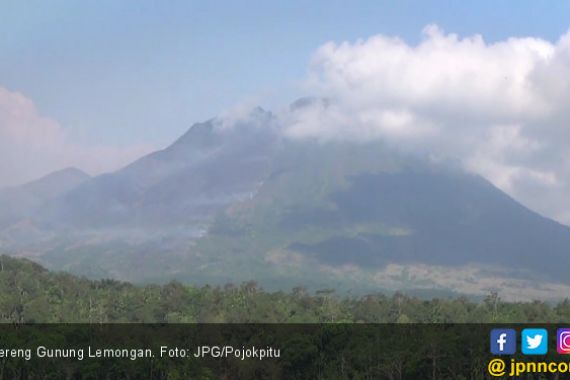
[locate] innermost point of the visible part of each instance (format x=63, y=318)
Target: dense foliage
x=30, y=293
x=306, y=351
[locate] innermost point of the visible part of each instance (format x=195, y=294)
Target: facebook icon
x=503, y=341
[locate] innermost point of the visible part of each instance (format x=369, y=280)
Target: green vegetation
x=30, y=293
x=306, y=352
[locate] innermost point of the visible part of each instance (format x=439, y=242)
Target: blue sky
x=130, y=72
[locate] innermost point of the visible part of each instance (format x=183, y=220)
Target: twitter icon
x=534, y=341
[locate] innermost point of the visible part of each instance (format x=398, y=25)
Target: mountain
x=185, y=184
x=234, y=201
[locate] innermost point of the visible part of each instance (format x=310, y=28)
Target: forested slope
x=30, y=293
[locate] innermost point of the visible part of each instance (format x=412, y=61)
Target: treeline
x=30, y=293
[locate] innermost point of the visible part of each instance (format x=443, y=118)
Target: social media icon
x=534, y=341
x=563, y=341
x=503, y=341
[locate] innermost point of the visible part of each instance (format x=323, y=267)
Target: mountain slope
x=185, y=184
x=362, y=207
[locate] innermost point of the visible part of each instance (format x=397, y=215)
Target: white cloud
x=32, y=145
x=502, y=108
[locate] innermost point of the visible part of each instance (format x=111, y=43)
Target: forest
x=31, y=294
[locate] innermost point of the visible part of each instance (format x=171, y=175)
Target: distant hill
x=229, y=203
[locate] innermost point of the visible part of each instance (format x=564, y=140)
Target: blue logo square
x=534, y=341
x=503, y=342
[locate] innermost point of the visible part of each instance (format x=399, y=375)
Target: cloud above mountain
x=32, y=145
x=501, y=108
